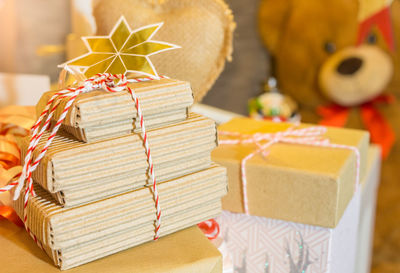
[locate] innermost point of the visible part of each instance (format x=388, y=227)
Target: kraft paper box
x=100, y=115
x=78, y=173
x=182, y=252
x=258, y=244
x=75, y=236
x=294, y=182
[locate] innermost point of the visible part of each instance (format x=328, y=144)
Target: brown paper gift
x=294, y=182
x=101, y=115
x=79, y=172
x=181, y=252
x=75, y=236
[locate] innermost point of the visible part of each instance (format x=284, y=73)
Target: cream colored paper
x=123, y=127
x=79, y=235
x=71, y=167
x=102, y=109
x=57, y=220
x=99, y=189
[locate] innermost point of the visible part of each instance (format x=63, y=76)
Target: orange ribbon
x=8, y=213
x=379, y=128
x=14, y=121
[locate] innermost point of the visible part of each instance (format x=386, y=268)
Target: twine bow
x=312, y=136
x=107, y=82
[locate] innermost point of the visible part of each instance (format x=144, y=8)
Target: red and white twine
x=312, y=136
x=106, y=81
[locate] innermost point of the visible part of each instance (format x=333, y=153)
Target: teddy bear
x=338, y=60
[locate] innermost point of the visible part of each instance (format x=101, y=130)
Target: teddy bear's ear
x=272, y=17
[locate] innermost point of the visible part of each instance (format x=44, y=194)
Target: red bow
x=380, y=130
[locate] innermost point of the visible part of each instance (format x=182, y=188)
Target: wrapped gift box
x=258, y=244
x=181, y=252
x=109, y=167
x=304, y=210
x=100, y=115
x=75, y=236
x=367, y=213
x=294, y=182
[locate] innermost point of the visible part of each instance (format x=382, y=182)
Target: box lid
x=294, y=182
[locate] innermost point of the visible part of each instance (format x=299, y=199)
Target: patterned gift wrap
x=263, y=245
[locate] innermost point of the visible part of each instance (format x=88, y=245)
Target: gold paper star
x=122, y=51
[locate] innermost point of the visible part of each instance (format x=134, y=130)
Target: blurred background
x=341, y=56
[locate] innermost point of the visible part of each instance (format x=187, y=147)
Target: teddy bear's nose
x=349, y=66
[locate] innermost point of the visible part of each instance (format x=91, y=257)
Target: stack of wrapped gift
x=302, y=194
x=93, y=197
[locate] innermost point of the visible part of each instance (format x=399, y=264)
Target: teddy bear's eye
x=371, y=39
x=330, y=47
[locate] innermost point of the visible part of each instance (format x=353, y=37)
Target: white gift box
x=263, y=245
x=367, y=213
x=260, y=245
x=22, y=89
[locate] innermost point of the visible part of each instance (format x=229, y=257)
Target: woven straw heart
x=203, y=28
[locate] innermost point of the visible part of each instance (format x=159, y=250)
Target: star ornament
x=122, y=51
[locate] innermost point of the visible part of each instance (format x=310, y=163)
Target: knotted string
x=107, y=82
x=312, y=136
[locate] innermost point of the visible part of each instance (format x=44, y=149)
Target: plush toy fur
x=316, y=61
